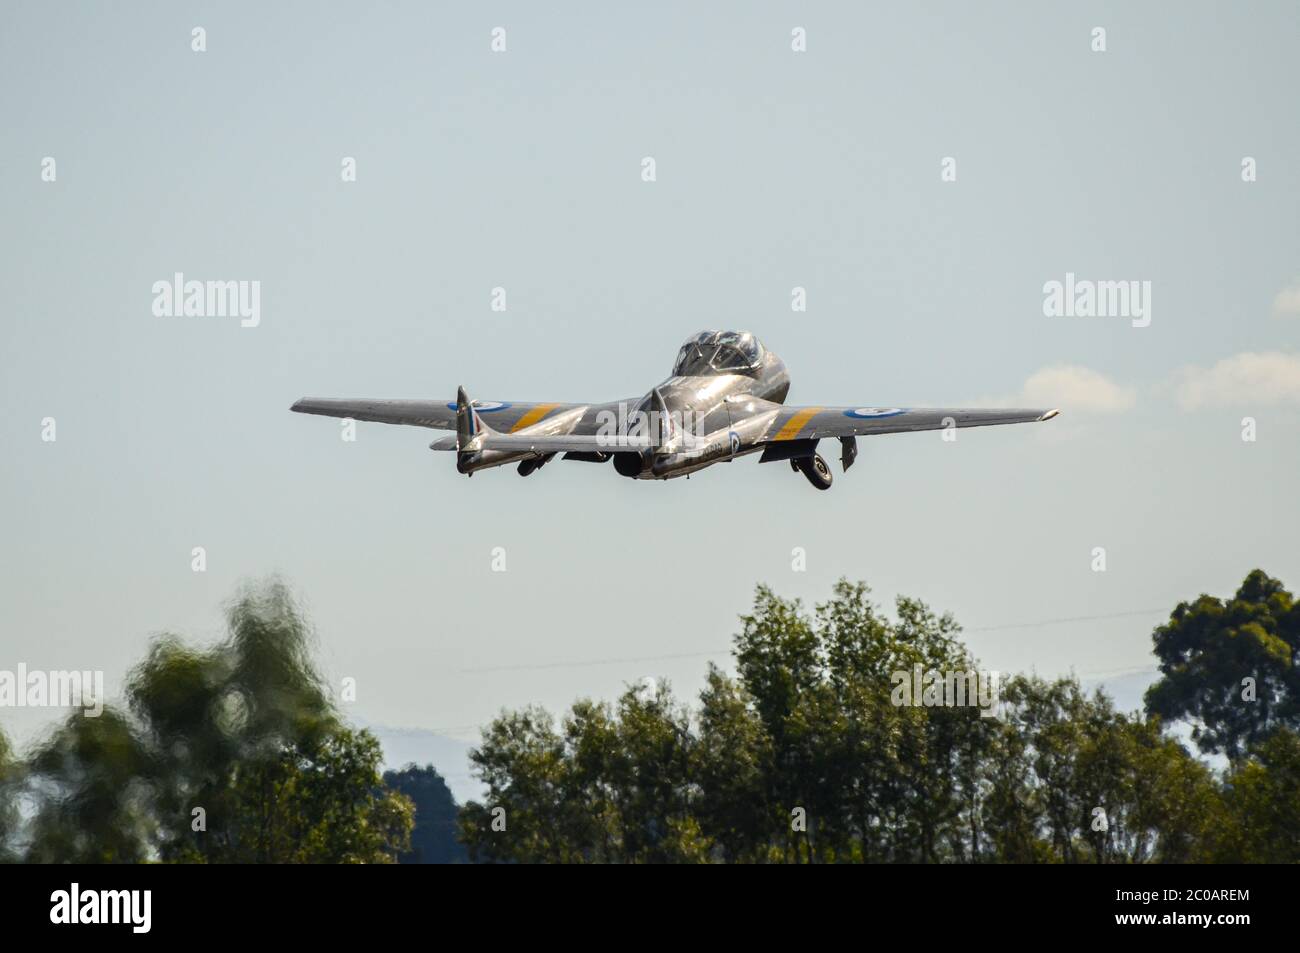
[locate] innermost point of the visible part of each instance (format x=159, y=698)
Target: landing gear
x=815, y=469
x=533, y=464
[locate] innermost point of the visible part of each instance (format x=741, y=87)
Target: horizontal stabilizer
x=544, y=443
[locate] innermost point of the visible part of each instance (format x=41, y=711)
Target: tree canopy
x=1228, y=666
x=846, y=734
x=231, y=754
x=433, y=840
x=816, y=751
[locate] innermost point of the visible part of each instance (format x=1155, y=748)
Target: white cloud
x=1288, y=300
x=1074, y=389
x=1271, y=377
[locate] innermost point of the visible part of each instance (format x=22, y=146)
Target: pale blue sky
x=522, y=170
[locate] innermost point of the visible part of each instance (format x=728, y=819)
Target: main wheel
x=816, y=470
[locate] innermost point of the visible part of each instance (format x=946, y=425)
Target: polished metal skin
x=724, y=399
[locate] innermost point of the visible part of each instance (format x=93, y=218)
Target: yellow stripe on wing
x=796, y=423
x=534, y=415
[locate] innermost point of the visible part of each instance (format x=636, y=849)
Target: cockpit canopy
x=718, y=352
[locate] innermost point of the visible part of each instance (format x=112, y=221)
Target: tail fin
x=468, y=423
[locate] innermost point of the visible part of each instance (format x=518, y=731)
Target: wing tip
x=1048, y=415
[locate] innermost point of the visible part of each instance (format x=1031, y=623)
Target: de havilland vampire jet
x=725, y=399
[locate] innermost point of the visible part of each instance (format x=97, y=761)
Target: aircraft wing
x=504, y=416
x=809, y=423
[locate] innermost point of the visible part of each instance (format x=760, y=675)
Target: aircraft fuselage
x=715, y=409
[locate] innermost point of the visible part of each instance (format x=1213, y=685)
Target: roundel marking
x=733, y=439
x=872, y=412
x=484, y=406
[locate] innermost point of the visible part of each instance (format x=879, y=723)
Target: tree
x=612, y=787
x=10, y=779
x=816, y=750
x=433, y=840
x=1262, y=820
x=729, y=760
x=93, y=781
x=231, y=754
x=1076, y=781
x=1230, y=667
x=810, y=755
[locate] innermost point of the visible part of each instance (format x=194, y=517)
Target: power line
x=592, y=663
x=1077, y=618
x=588, y=663
x=1118, y=672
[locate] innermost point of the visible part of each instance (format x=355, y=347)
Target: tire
x=816, y=470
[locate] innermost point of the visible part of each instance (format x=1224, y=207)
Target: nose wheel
x=815, y=469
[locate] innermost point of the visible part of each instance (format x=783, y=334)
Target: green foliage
x=228, y=755
x=812, y=722
x=1206, y=650
x=1262, y=820
x=433, y=841
x=608, y=787
x=10, y=778
x=95, y=782
x=811, y=753
x=1076, y=781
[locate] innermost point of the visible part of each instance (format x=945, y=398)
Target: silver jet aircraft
x=725, y=399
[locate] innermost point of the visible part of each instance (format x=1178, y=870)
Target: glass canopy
x=718, y=352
